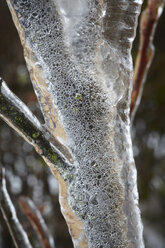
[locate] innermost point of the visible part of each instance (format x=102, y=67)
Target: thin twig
x=20, y=118
x=16, y=230
x=148, y=22
x=37, y=221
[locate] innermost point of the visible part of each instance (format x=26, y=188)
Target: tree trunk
x=78, y=53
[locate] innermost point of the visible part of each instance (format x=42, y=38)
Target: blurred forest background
x=26, y=173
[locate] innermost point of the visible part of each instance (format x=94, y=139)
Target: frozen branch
x=37, y=221
x=79, y=59
x=17, y=232
x=19, y=117
x=148, y=23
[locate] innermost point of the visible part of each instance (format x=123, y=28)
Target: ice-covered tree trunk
x=78, y=53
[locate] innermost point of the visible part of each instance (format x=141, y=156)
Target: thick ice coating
x=78, y=54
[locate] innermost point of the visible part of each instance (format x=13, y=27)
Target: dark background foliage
x=27, y=174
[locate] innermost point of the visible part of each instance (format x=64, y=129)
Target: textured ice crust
x=83, y=48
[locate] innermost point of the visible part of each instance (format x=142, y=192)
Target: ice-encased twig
x=37, y=221
x=19, y=117
x=16, y=230
x=148, y=23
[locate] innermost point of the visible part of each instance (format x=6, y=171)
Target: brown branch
x=148, y=22
x=16, y=230
x=37, y=221
x=20, y=118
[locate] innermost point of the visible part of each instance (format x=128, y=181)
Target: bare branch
x=16, y=230
x=37, y=221
x=20, y=118
x=148, y=23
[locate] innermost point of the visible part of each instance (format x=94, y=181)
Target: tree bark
x=78, y=53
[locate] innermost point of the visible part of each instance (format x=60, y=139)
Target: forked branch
x=148, y=22
x=16, y=230
x=37, y=221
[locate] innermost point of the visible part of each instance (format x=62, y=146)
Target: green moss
x=66, y=176
x=75, y=110
x=35, y=135
x=3, y=108
x=78, y=97
x=54, y=158
x=18, y=118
